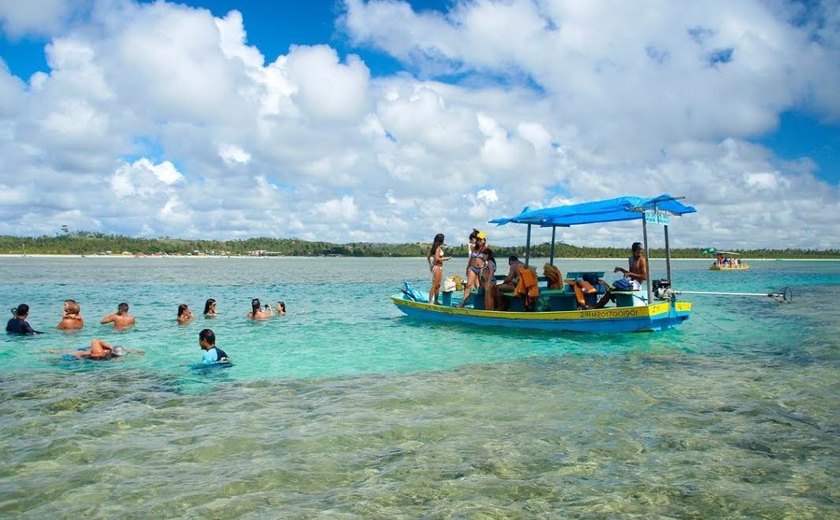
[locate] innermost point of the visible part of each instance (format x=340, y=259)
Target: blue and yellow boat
x=726, y=260
x=653, y=308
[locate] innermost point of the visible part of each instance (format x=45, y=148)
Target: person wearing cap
x=18, y=324
x=475, y=264
x=436, y=259
x=632, y=277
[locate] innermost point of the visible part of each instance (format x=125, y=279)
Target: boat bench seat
x=557, y=300
x=549, y=300
x=629, y=298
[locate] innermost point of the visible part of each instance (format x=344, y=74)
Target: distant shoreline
x=133, y=257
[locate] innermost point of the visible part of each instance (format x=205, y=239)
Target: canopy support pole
x=528, y=246
x=647, y=261
x=667, y=255
x=553, y=235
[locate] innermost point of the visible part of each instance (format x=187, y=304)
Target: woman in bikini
x=185, y=315
x=436, y=259
x=488, y=279
x=475, y=265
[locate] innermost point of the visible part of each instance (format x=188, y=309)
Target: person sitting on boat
x=488, y=279
x=510, y=282
x=212, y=353
x=528, y=287
x=633, y=277
x=436, y=259
x=475, y=265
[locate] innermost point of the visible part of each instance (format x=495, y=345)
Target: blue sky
x=391, y=121
x=801, y=134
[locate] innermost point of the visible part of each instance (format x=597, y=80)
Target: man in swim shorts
x=212, y=353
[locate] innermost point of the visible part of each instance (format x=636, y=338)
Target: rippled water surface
x=346, y=409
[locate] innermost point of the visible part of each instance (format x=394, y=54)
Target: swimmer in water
x=99, y=350
x=210, y=308
x=257, y=311
x=121, y=319
x=18, y=323
x=212, y=353
x=185, y=315
x=71, y=317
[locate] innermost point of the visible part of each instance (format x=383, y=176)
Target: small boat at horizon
x=726, y=260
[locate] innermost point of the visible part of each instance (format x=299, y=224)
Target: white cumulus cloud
x=482, y=107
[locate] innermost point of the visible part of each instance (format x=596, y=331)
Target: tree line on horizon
x=92, y=243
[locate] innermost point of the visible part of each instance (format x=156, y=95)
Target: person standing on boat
x=475, y=265
x=488, y=279
x=633, y=277
x=436, y=259
x=471, y=241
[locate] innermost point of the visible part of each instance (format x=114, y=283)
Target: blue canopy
x=610, y=210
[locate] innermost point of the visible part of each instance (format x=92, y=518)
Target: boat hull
x=645, y=318
x=724, y=268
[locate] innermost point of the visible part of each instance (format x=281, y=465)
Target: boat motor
x=662, y=289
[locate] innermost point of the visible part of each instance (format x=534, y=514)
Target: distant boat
x=726, y=260
x=651, y=309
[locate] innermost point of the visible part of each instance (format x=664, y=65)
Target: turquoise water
x=344, y=408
